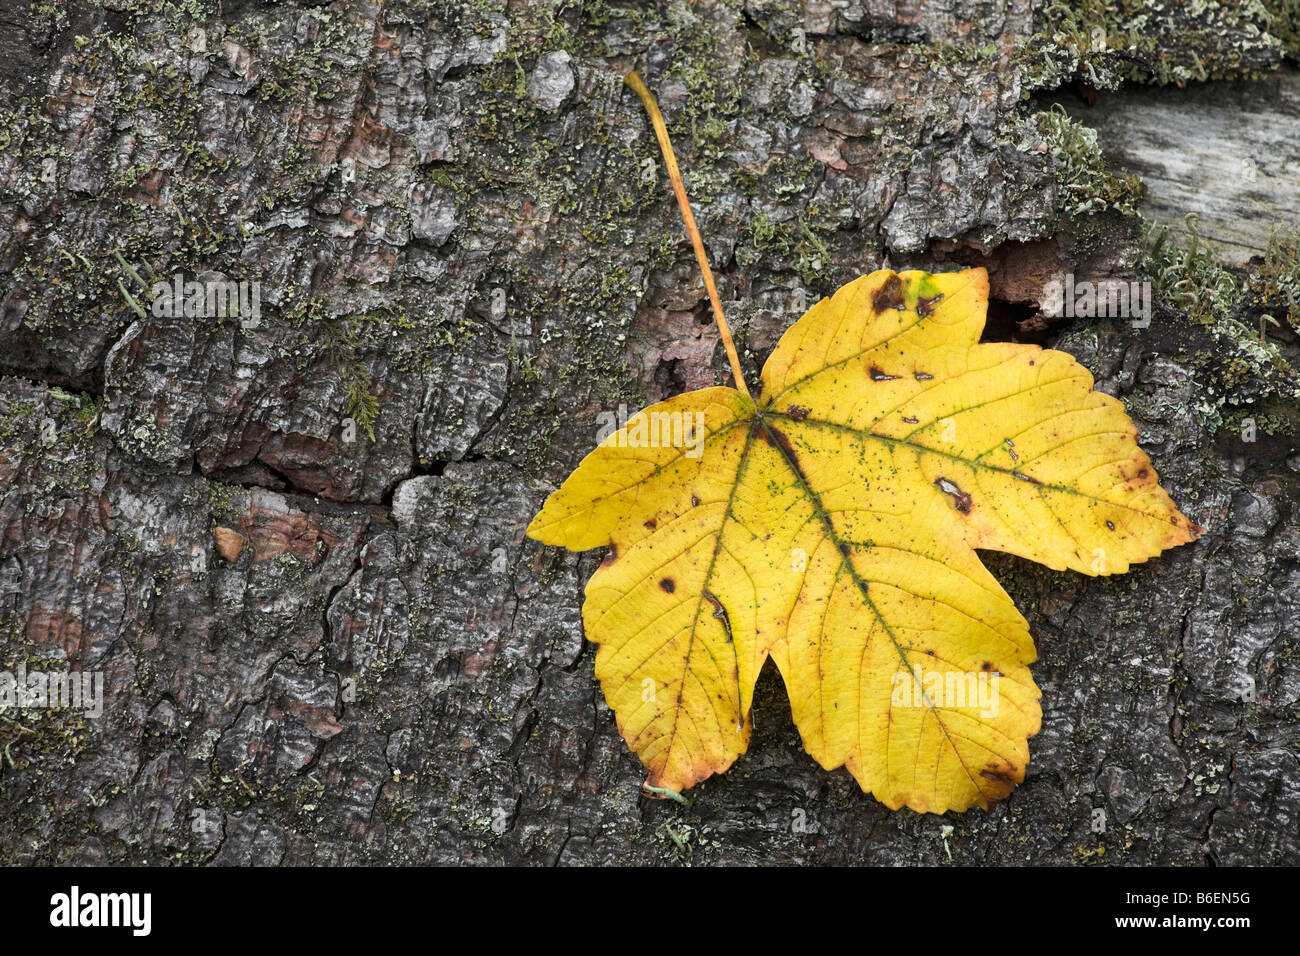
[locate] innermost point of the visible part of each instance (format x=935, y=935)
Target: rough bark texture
x=295, y=547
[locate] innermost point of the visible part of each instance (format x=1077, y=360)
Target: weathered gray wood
x=1228, y=152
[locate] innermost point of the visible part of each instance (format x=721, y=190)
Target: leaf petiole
x=665, y=792
x=633, y=80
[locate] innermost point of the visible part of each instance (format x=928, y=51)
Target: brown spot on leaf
x=999, y=774
x=880, y=375
x=720, y=613
x=922, y=376
x=668, y=585
x=1023, y=477
x=889, y=295
x=798, y=412
x=1110, y=525
x=925, y=304
x=910, y=420
x=651, y=524
x=695, y=502
x=960, y=500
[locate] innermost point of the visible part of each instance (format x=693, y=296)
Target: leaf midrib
x=858, y=580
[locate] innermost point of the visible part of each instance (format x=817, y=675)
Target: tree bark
x=292, y=543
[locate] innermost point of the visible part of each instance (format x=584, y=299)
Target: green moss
x=342, y=347
x=1084, y=182
x=1188, y=275
x=793, y=244
x=1275, y=281
x=1284, y=23
x=1109, y=42
x=686, y=841
x=1241, y=375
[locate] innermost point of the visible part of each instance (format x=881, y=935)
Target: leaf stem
x=633, y=80
x=665, y=792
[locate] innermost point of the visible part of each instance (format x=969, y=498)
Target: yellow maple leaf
x=832, y=523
